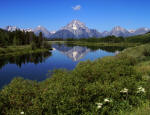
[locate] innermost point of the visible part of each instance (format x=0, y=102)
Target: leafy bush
x=18, y=96
x=146, y=52
x=104, y=86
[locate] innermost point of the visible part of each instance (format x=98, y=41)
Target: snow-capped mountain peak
x=119, y=31
x=147, y=29
x=39, y=26
x=75, y=25
x=52, y=32
x=118, y=28
x=77, y=29
x=131, y=31
x=27, y=30
x=141, y=31
x=11, y=28
x=42, y=29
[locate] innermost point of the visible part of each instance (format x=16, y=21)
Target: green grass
x=144, y=68
x=19, y=50
x=142, y=110
x=137, y=51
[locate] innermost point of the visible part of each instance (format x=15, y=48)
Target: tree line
x=112, y=39
x=19, y=37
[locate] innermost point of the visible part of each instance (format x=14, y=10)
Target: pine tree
x=40, y=40
x=15, y=41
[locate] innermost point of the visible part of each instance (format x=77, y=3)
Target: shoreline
x=19, y=50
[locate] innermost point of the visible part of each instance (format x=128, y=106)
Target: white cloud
x=77, y=7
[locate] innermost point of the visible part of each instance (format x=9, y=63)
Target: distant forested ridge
x=113, y=39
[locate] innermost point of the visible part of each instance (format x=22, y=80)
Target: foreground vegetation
x=111, y=85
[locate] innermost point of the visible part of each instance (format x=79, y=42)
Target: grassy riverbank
x=142, y=55
x=20, y=50
x=80, y=43
x=111, y=85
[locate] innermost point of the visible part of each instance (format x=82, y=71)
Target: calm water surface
x=36, y=66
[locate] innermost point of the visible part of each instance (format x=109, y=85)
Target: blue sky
x=53, y=14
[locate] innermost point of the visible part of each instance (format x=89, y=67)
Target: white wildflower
x=99, y=105
x=107, y=100
x=22, y=113
x=141, y=89
x=117, y=52
x=125, y=90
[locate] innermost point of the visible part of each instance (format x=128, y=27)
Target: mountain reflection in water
x=78, y=52
x=75, y=53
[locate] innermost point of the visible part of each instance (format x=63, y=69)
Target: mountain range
x=77, y=29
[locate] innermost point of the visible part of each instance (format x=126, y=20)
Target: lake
x=36, y=66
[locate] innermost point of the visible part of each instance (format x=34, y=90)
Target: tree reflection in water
x=24, y=59
x=94, y=48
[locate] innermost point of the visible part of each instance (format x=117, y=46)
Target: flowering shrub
x=99, y=105
x=141, y=90
x=125, y=90
x=104, y=86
